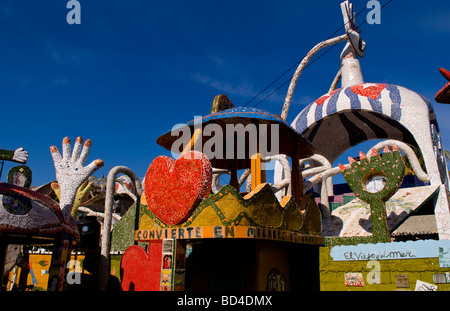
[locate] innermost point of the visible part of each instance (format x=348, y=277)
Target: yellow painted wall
x=332, y=273
x=37, y=278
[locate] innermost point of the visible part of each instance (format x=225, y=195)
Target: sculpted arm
x=19, y=155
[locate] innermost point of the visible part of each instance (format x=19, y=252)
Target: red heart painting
x=368, y=89
x=139, y=270
x=173, y=189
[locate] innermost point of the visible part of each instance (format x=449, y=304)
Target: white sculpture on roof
x=360, y=111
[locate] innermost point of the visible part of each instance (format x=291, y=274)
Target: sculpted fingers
x=66, y=148
x=55, y=154
x=71, y=166
x=85, y=151
x=77, y=149
x=20, y=155
x=93, y=166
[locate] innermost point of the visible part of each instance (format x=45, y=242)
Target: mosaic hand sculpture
x=19, y=155
x=374, y=181
x=26, y=212
x=70, y=170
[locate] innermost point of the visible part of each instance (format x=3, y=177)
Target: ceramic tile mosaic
x=174, y=189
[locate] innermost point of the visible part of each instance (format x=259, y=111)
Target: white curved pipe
x=106, y=230
x=303, y=63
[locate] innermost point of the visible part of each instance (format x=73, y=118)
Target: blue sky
x=133, y=69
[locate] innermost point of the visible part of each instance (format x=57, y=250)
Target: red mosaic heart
x=322, y=99
x=173, y=189
x=139, y=270
x=372, y=91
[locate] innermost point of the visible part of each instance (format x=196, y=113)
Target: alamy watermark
x=74, y=272
x=229, y=141
x=74, y=15
x=374, y=15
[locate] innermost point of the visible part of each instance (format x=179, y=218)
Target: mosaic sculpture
x=111, y=181
x=141, y=268
x=374, y=180
x=27, y=216
x=443, y=95
x=28, y=212
x=360, y=111
x=221, y=102
x=178, y=203
x=259, y=208
x=271, y=136
x=352, y=114
x=124, y=185
x=20, y=175
x=19, y=155
x=175, y=188
x=70, y=170
x=82, y=194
